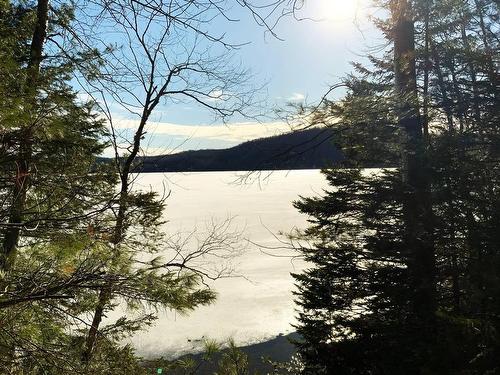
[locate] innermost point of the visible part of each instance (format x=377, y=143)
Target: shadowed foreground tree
x=404, y=268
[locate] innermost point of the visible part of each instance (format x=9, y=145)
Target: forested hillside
x=306, y=149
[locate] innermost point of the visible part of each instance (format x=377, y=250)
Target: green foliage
x=217, y=358
x=233, y=361
x=66, y=252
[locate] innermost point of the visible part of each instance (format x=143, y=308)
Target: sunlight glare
x=339, y=10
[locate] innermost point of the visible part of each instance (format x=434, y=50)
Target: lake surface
x=258, y=305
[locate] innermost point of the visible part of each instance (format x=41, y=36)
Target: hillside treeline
x=301, y=149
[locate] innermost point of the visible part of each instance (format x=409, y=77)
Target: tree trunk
x=90, y=342
x=106, y=293
x=427, y=64
x=417, y=205
x=472, y=72
x=461, y=105
x=23, y=159
x=492, y=71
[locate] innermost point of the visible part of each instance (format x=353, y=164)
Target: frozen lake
x=250, y=308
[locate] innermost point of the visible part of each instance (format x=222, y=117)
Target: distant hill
x=306, y=149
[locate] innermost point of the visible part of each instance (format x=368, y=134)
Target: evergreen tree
x=57, y=211
x=404, y=263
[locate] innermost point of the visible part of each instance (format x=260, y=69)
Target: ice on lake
x=250, y=308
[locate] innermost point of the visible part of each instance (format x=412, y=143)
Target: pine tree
x=58, y=208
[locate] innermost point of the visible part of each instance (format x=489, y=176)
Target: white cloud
x=235, y=132
x=296, y=97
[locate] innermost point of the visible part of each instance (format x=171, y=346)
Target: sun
x=339, y=10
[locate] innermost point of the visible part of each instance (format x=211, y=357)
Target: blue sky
x=310, y=56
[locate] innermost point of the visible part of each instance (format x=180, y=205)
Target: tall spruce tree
x=404, y=264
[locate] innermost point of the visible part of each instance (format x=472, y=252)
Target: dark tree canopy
x=404, y=263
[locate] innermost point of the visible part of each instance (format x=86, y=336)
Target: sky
x=298, y=66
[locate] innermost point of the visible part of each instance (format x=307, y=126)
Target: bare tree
x=166, y=53
x=153, y=52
